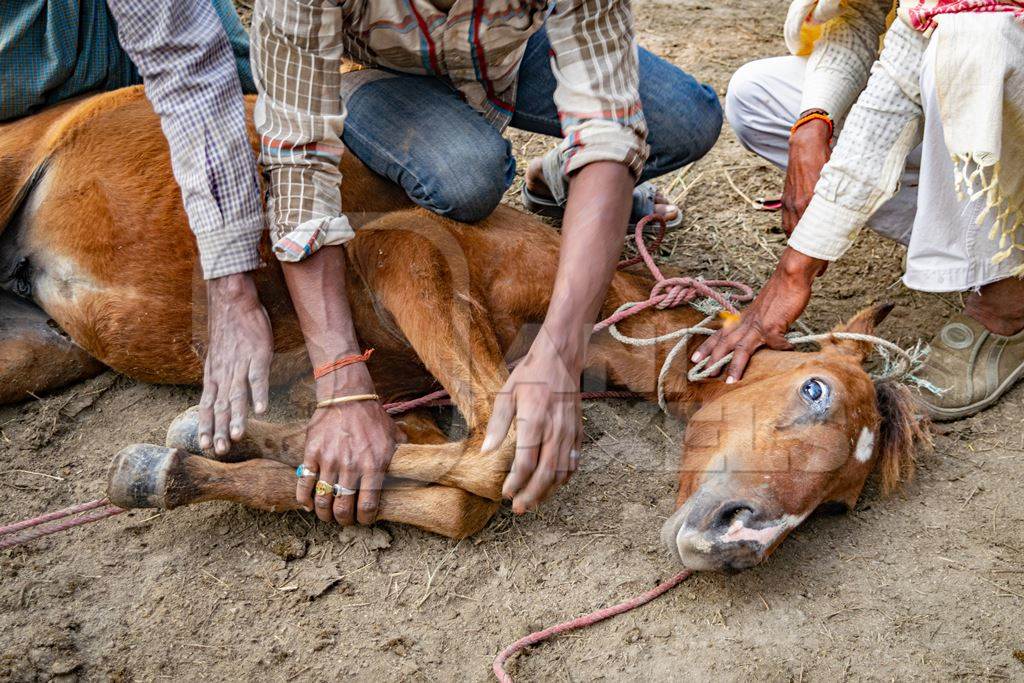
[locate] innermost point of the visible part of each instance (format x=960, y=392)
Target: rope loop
x=672, y=292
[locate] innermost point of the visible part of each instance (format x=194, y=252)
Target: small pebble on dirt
x=398, y=646
x=62, y=667
x=289, y=548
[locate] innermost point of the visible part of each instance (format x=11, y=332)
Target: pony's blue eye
x=814, y=391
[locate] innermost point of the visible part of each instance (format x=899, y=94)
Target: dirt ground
x=925, y=584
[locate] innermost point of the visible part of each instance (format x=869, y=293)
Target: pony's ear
x=864, y=322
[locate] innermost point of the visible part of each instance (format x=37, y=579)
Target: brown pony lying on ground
x=100, y=268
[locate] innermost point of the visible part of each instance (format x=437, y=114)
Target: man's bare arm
x=350, y=443
x=542, y=394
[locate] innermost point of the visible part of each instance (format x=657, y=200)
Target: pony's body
x=97, y=237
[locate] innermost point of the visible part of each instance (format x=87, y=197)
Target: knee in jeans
x=470, y=188
x=480, y=204
x=692, y=134
x=705, y=137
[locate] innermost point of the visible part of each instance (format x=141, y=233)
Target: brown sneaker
x=973, y=366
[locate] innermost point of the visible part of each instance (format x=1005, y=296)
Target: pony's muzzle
x=715, y=533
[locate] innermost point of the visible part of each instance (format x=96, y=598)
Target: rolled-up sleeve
x=595, y=63
x=297, y=58
x=190, y=77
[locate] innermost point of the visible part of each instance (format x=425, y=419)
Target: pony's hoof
x=139, y=474
x=184, y=432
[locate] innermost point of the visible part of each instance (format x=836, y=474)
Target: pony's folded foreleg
x=148, y=476
x=457, y=464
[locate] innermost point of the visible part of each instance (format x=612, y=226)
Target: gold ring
x=323, y=488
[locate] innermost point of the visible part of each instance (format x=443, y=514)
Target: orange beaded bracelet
x=814, y=116
x=341, y=363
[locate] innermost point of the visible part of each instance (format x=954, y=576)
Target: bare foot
x=999, y=306
x=535, y=184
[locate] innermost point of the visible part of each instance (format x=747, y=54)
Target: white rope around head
x=900, y=363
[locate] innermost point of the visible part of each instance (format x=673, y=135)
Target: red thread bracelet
x=341, y=363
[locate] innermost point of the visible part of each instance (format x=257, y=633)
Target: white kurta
x=947, y=249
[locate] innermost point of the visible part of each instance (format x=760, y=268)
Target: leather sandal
x=554, y=206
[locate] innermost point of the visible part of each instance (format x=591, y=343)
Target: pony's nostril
x=729, y=514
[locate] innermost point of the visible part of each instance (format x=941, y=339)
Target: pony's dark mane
x=904, y=428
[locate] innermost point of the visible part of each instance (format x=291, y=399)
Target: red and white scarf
x=806, y=17
x=921, y=14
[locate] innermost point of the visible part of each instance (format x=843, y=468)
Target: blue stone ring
x=303, y=471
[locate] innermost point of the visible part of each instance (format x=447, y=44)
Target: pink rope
x=672, y=292
x=440, y=398
x=97, y=509
x=580, y=622
x=435, y=398
x=50, y=516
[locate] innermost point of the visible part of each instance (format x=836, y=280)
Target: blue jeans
x=419, y=133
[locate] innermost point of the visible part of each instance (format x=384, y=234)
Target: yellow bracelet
x=347, y=399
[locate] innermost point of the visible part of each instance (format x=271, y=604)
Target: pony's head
x=799, y=432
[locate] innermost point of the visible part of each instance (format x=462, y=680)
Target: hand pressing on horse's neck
x=542, y=393
x=349, y=443
x=767, y=319
x=237, y=365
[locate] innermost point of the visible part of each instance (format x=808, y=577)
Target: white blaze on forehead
x=865, y=445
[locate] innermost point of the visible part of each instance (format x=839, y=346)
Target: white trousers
x=946, y=250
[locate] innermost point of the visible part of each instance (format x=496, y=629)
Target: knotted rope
x=707, y=297
x=667, y=292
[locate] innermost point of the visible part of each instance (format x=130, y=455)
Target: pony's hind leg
x=155, y=476
x=35, y=356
